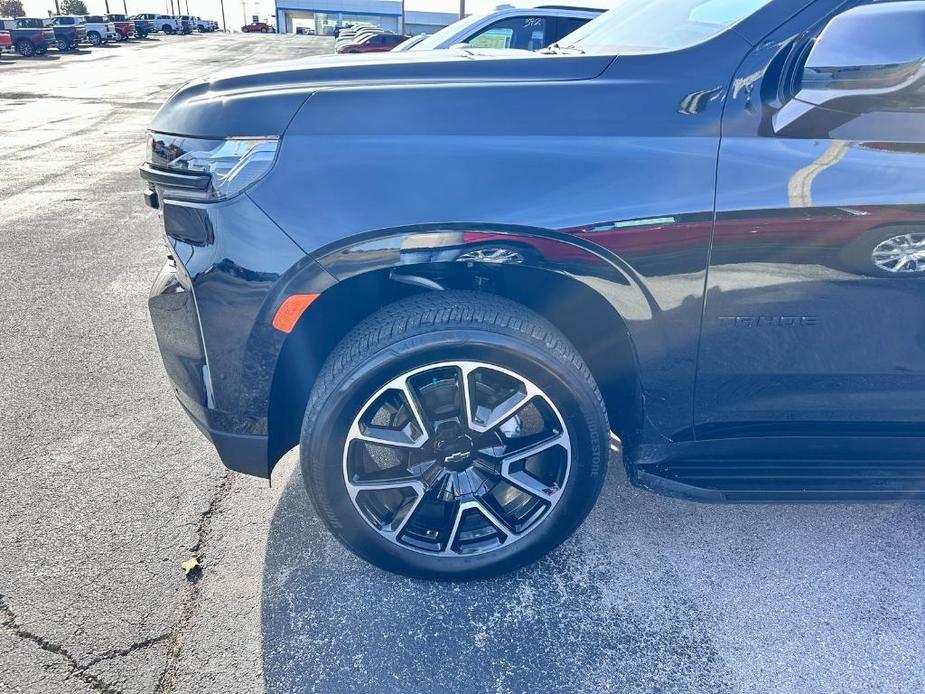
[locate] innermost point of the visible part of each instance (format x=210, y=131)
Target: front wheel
x=454, y=435
x=94, y=38
x=25, y=48
x=63, y=45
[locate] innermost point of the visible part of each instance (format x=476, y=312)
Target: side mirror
x=868, y=50
x=867, y=59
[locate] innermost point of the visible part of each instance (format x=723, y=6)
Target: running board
x=812, y=478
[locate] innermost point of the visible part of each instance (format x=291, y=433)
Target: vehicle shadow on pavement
x=652, y=594
x=47, y=58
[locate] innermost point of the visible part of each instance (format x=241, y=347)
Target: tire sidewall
x=330, y=416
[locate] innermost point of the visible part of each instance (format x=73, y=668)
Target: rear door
x=814, y=320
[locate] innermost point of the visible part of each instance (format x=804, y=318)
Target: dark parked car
x=70, y=31
x=30, y=36
x=262, y=27
x=449, y=276
x=143, y=27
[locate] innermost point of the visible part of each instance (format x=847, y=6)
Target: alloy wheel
x=904, y=253
x=456, y=459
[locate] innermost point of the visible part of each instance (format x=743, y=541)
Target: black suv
x=449, y=276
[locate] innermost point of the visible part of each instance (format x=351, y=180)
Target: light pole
x=224, y=26
x=462, y=8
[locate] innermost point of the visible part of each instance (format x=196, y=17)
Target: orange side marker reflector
x=291, y=310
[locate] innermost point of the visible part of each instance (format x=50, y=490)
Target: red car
x=262, y=27
x=125, y=27
x=373, y=43
x=6, y=42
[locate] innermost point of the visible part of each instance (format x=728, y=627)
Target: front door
x=814, y=320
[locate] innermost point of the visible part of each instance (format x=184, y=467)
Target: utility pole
x=125, y=7
x=401, y=23
x=107, y=6
x=462, y=8
x=244, y=10
x=57, y=8
x=224, y=26
x=187, y=6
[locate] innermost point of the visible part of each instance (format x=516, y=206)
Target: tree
x=11, y=8
x=73, y=7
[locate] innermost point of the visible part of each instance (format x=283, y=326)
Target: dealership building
x=321, y=16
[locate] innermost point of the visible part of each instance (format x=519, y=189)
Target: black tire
x=94, y=38
x=25, y=48
x=264, y=30
x=435, y=328
x=41, y=50
x=63, y=45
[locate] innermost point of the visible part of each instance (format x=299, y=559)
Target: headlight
x=230, y=165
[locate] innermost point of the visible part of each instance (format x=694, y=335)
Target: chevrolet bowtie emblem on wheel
x=456, y=457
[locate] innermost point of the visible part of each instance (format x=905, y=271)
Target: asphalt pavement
x=106, y=489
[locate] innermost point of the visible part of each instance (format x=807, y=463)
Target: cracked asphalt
x=106, y=488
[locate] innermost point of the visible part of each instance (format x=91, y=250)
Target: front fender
x=663, y=347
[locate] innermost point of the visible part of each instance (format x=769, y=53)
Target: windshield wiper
x=556, y=49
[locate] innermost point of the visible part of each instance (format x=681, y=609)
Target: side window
x=565, y=26
x=527, y=33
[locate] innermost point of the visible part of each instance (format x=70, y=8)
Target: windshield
x=654, y=26
x=436, y=40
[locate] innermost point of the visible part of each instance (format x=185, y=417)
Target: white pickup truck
x=163, y=22
x=99, y=31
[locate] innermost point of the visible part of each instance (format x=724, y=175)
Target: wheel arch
x=381, y=270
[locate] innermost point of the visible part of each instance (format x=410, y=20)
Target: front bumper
x=212, y=306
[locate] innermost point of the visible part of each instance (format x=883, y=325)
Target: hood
x=226, y=104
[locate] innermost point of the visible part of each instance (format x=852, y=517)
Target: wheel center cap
x=456, y=452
